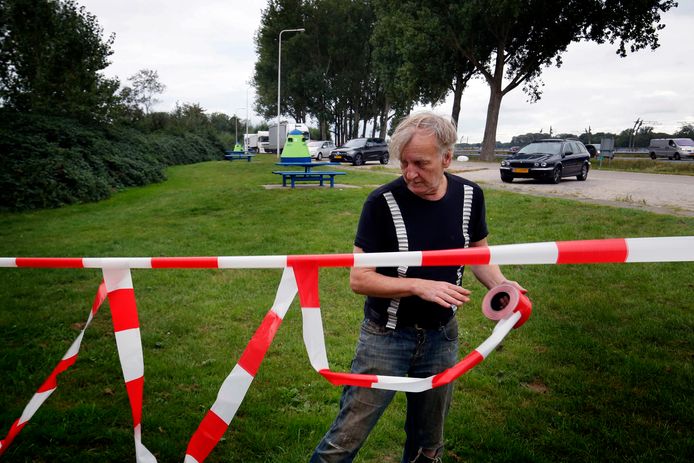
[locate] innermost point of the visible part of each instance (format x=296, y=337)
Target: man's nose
x=410, y=172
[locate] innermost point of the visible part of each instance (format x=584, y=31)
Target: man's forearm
x=489, y=275
x=368, y=282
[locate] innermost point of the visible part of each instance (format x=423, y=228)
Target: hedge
x=48, y=161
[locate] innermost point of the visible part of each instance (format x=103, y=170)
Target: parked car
x=319, y=149
x=360, y=150
x=593, y=149
x=671, y=148
x=550, y=159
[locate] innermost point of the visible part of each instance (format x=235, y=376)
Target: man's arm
x=366, y=281
x=490, y=275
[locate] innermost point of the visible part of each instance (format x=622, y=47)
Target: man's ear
x=447, y=158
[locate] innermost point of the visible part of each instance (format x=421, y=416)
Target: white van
x=672, y=148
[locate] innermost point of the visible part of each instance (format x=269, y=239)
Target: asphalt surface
x=659, y=193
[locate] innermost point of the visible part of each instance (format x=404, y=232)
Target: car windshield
x=355, y=143
x=542, y=148
x=685, y=142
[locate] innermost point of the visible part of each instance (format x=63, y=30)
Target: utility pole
x=637, y=125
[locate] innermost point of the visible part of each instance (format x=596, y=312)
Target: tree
x=412, y=60
x=51, y=55
x=685, y=131
x=329, y=76
x=525, y=36
x=145, y=86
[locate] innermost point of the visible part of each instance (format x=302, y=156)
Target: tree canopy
x=51, y=57
x=374, y=59
x=510, y=42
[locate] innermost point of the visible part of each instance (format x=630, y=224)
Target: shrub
x=52, y=161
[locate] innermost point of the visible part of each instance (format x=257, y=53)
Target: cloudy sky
x=204, y=53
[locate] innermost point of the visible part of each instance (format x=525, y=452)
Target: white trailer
x=285, y=127
x=251, y=142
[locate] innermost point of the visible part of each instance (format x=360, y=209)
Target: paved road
x=661, y=193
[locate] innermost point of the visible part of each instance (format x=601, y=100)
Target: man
x=409, y=326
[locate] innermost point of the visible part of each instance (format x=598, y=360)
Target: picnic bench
x=308, y=174
x=231, y=155
x=315, y=175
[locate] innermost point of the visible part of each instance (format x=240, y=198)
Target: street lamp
x=236, y=132
x=279, y=68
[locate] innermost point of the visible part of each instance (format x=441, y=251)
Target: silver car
x=319, y=149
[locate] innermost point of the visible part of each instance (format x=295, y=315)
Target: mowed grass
x=645, y=166
x=602, y=371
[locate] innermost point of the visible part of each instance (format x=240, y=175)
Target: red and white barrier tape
x=126, y=326
x=235, y=386
x=518, y=311
x=301, y=275
x=617, y=250
x=51, y=383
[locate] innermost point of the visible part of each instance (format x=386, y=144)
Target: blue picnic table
x=308, y=174
x=231, y=155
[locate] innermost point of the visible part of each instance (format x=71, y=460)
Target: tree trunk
x=495, y=96
x=489, y=140
x=457, y=96
x=324, y=135
x=384, y=119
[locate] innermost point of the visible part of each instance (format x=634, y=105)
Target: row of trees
x=52, y=57
x=627, y=138
x=67, y=133
x=374, y=60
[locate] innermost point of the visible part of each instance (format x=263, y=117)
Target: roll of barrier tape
x=502, y=300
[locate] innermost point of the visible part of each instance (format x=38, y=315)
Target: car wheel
x=358, y=160
x=506, y=178
x=653, y=156
x=677, y=156
x=384, y=158
x=584, y=173
x=319, y=156
x=556, y=175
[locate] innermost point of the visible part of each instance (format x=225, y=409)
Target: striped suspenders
x=403, y=244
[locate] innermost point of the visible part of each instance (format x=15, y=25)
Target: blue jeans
x=408, y=351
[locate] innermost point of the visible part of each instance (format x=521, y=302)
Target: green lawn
x=603, y=370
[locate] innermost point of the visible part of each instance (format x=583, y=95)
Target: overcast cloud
x=204, y=53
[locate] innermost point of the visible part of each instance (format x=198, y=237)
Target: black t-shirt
x=395, y=219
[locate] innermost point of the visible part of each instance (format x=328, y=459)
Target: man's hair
x=441, y=127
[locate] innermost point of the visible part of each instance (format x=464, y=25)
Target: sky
x=204, y=53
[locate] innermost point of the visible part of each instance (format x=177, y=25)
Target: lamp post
x=245, y=139
x=279, y=74
x=236, y=133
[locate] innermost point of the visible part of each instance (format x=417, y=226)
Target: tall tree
x=525, y=36
x=327, y=71
x=145, y=87
x=51, y=57
x=415, y=58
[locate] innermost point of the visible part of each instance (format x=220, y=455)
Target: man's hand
x=443, y=293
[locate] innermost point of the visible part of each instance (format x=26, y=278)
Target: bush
x=52, y=161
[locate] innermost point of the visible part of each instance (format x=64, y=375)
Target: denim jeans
x=408, y=351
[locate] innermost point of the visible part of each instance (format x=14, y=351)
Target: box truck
x=284, y=129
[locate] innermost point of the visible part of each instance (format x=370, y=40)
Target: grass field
x=603, y=370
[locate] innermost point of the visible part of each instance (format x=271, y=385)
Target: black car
x=360, y=150
x=549, y=159
x=592, y=150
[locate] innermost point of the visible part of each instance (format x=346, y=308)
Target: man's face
x=422, y=166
